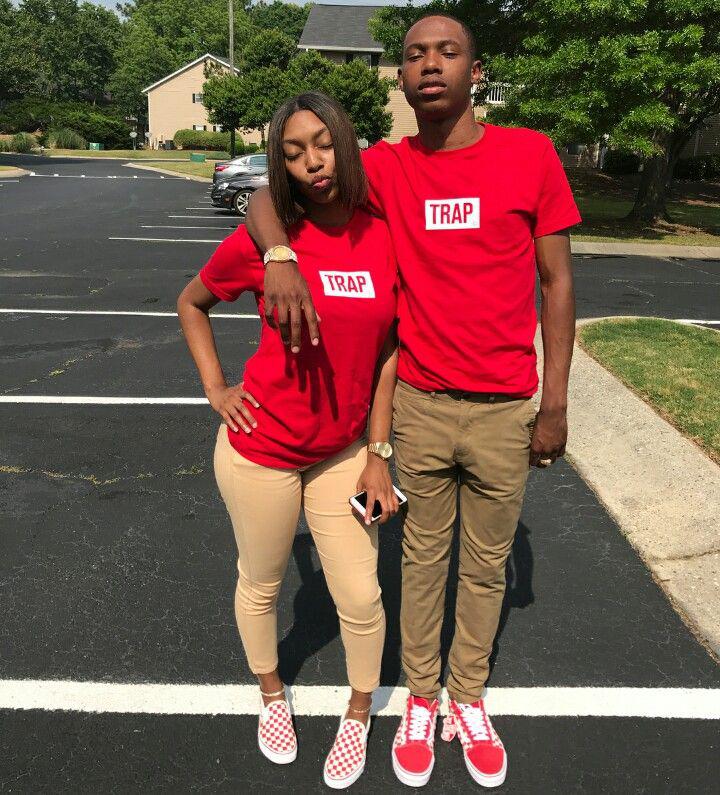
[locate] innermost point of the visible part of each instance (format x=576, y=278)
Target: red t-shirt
x=463, y=224
x=315, y=403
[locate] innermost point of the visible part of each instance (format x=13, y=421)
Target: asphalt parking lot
x=117, y=559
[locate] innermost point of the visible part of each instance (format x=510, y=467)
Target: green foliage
x=65, y=138
x=23, y=143
x=618, y=162
x=268, y=48
x=4, y=145
x=286, y=17
x=364, y=96
x=205, y=140
x=699, y=168
x=308, y=72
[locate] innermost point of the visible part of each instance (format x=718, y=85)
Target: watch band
x=382, y=449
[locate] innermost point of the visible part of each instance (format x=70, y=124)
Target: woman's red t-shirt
x=314, y=403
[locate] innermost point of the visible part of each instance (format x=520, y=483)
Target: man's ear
x=477, y=75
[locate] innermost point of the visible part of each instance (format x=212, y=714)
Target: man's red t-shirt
x=315, y=403
x=463, y=224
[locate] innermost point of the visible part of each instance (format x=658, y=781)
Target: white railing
x=496, y=93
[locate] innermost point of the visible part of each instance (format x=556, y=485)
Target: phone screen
x=377, y=508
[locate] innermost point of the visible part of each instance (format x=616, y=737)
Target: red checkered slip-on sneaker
x=346, y=761
x=485, y=756
x=276, y=734
x=413, y=751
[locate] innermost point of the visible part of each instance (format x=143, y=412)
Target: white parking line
x=199, y=699
x=700, y=322
x=203, y=217
x=168, y=226
x=116, y=312
x=105, y=176
x=163, y=240
x=85, y=400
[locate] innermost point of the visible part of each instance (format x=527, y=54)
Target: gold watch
x=382, y=449
x=279, y=254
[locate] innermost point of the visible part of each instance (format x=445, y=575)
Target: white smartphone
x=359, y=503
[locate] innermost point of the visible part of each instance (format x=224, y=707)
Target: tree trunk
x=650, y=200
x=232, y=143
x=262, y=137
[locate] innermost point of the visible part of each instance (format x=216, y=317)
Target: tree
x=226, y=100
x=646, y=73
x=142, y=58
x=364, y=96
x=285, y=17
x=19, y=62
x=268, y=48
x=308, y=72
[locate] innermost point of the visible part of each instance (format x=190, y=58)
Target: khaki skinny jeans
x=264, y=505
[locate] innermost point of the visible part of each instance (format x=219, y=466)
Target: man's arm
x=557, y=320
x=285, y=288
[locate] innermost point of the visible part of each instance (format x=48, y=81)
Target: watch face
x=281, y=253
x=384, y=449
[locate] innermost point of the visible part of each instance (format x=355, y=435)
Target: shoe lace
x=418, y=723
x=477, y=724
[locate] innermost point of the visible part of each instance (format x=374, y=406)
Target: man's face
x=437, y=71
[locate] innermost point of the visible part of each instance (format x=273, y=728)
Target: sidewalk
x=660, y=488
x=13, y=173
x=177, y=174
x=645, y=250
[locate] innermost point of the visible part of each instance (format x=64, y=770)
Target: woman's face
x=310, y=157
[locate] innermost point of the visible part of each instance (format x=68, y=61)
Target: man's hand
x=286, y=290
x=549, y=437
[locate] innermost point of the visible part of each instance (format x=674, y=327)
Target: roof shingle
x=339, y=27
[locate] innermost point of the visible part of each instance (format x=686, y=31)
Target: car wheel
x=240, y=201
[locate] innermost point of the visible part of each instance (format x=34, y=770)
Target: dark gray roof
x=339, y=27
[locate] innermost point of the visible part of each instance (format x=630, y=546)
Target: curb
x=645, y=250
x=176, y=174
x=658, y=486
x=12, y=173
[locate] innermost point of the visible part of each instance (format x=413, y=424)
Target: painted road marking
x=83, y=400
x=163, y=240
x=105, y=176
x=116, y=312
x=204, y=217
x=700, y=322
x=193, y=699
x=168, y=226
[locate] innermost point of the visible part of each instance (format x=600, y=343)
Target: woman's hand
x=228, y=402
x=376, y=481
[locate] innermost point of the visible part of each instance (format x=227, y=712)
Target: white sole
x=273, y=756
x=412, y=779
x=483, y=780
x=337, y=783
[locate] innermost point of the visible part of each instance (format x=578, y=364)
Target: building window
x=199, y=127
x=368, y=58
x=197, y=98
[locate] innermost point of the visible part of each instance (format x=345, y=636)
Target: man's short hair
x=469, y=35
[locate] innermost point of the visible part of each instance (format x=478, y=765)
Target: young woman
x=294, y=431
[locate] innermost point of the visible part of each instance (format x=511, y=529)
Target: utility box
x=196, y=157
x=96, y=146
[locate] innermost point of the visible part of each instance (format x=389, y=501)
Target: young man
x=473, y=209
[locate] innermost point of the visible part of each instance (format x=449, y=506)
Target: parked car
x=234, y=194
x=247, y=164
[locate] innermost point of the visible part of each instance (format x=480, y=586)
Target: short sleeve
x=234, y=268
x=556, y=208
x=372, y=161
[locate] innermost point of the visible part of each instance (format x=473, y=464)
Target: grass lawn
x=197, y=169
x=138, y=154
x=7, y=168
x=673, y=367
x=604, y=201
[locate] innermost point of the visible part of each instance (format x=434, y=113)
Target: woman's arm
x=193, y=305
x=375, y=478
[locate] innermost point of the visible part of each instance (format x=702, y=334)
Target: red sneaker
x=413, y=751
x=485, y=756
x=346, y=761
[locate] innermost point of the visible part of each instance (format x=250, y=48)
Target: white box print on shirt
x=452, y=213
x=348, y=284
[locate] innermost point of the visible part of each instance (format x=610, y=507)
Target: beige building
x=175, y=102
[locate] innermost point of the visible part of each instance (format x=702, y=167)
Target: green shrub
x=698, y=168
x=619, y=162
x=206, y=140
x=250, y=149
x=65, y=138
x=22, y=142
x=4, y=146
